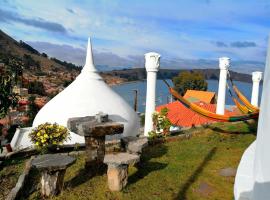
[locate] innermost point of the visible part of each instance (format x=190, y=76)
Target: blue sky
x=191, y=33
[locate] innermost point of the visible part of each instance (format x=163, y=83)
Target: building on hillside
x=204, y=96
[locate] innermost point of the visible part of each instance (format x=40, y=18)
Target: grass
x=9, y=175
x=187, y=169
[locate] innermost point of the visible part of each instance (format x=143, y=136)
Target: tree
x=189, y=81
x=7, y=97
x=36, y=87
x=32, y=109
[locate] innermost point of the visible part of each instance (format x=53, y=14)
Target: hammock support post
x=256, y=78
x=152, y=67
x=224, y=64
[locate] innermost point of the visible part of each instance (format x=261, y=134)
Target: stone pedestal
x=117, y=177
x=118, y=169
x=53, y=168
x=52, y=182
x=95, y=151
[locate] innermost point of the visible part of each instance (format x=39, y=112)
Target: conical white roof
x=87, y=95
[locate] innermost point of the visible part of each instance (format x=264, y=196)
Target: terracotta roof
x=179, y=115
x=204, y=96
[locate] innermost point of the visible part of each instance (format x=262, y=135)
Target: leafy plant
x=48, y=134
x=161, y=124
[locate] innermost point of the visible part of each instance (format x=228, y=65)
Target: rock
x=135, y=145
x=205, y=189
x=121, y=159
x=53, y=162
x=117, y=177
x=227, y=172
x=102, y=117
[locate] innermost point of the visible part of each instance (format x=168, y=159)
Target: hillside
x=36, y=66
x=140, y=74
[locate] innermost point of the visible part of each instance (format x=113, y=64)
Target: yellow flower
x=37, y=143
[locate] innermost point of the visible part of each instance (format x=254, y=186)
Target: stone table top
x=92, y=126
x=121, y=159
x=53, y=162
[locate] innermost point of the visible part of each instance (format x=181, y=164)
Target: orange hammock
x=209, y=114
x=245, y=100
x=242, y=97
x=244, y=109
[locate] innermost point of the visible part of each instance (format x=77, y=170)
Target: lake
x=162, y=95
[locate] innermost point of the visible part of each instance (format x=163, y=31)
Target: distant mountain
x=30, y=56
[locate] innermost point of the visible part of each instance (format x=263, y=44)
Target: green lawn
x=182, y=169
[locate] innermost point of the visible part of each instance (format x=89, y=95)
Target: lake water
x=162, y=95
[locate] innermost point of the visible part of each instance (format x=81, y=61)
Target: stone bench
x=118, y=169
x=134, y=145
x=53, y=168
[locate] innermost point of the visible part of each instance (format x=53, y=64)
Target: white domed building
x=87, y=95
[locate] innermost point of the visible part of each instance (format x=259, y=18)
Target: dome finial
x=89, y=62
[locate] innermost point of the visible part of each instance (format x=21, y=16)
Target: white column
x=152, y=67
x=256, y=78
x=224, y=64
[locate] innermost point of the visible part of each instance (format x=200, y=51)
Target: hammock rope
x=201, y=111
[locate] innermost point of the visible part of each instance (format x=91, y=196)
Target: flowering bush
x=161, y=124
x=49, y=134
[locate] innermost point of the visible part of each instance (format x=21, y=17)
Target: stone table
x=94, y=129
x=118, y=169
x=53, y=168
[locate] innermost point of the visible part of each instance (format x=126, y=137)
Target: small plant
x=47, y=134
x=161, y=124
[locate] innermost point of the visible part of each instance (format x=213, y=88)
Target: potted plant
x=47, y=137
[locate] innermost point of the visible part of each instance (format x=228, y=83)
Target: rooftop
x=196, y=95
x=179, y=115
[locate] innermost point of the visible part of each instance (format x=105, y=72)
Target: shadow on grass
x=84, y=175
x=183, y=190
x=146, y=166
x=233, y=129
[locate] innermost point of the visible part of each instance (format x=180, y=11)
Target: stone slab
x=53, y=162
x=135, y=144
x=95, y=129
x=121, y=159
x=72, y=123
x=227, y=172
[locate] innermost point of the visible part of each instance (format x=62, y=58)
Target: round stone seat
x=118, y=169
x=53, y=169
x=53, y=162
x=121, y=159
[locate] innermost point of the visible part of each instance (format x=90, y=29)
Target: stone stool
x=118, y=169
x=53, y=168
x=134, y=145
